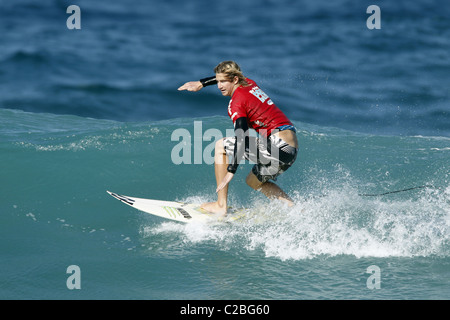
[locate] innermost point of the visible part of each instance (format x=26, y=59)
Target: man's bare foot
x=289, y=202
x=214, y=207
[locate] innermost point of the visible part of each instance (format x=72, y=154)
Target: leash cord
x=397, y=191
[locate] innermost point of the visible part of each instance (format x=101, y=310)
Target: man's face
x=226, y=86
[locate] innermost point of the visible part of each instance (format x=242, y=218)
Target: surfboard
x=176, y=211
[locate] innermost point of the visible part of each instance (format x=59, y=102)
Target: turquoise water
x=96, y=109
x=56, y=213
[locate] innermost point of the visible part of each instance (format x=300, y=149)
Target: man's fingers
x=191, y=86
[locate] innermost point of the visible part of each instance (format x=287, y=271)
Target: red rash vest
x=261, y=113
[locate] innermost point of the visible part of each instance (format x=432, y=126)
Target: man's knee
x=219, y=147
x=253, y=181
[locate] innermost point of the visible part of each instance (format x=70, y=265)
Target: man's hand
x=225, y=181
x=191, y=86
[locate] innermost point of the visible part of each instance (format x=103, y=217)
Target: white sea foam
x=340, y=223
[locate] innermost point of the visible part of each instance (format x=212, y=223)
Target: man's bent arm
x=242, y=143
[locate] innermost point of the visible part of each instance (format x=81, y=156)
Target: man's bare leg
x=220, y=169
x=269, y=189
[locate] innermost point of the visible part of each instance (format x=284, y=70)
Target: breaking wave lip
x=99, y=141
x=341, y=223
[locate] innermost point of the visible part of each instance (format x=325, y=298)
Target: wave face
x=56, y=169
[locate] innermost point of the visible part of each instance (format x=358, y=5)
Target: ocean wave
x=26, y=56
x=82, y=157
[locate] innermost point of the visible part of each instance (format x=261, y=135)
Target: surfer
x=273, y=152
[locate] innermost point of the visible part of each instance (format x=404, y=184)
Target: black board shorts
x=272, y=156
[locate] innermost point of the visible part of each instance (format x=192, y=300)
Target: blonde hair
x=231, y=69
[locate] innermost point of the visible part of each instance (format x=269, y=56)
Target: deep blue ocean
x=87, y=110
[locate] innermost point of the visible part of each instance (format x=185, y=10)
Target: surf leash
x=398, y=191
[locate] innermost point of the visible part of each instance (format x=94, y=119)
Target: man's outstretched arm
x=198, y=85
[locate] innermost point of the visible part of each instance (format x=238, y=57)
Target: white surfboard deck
x=176, y=211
